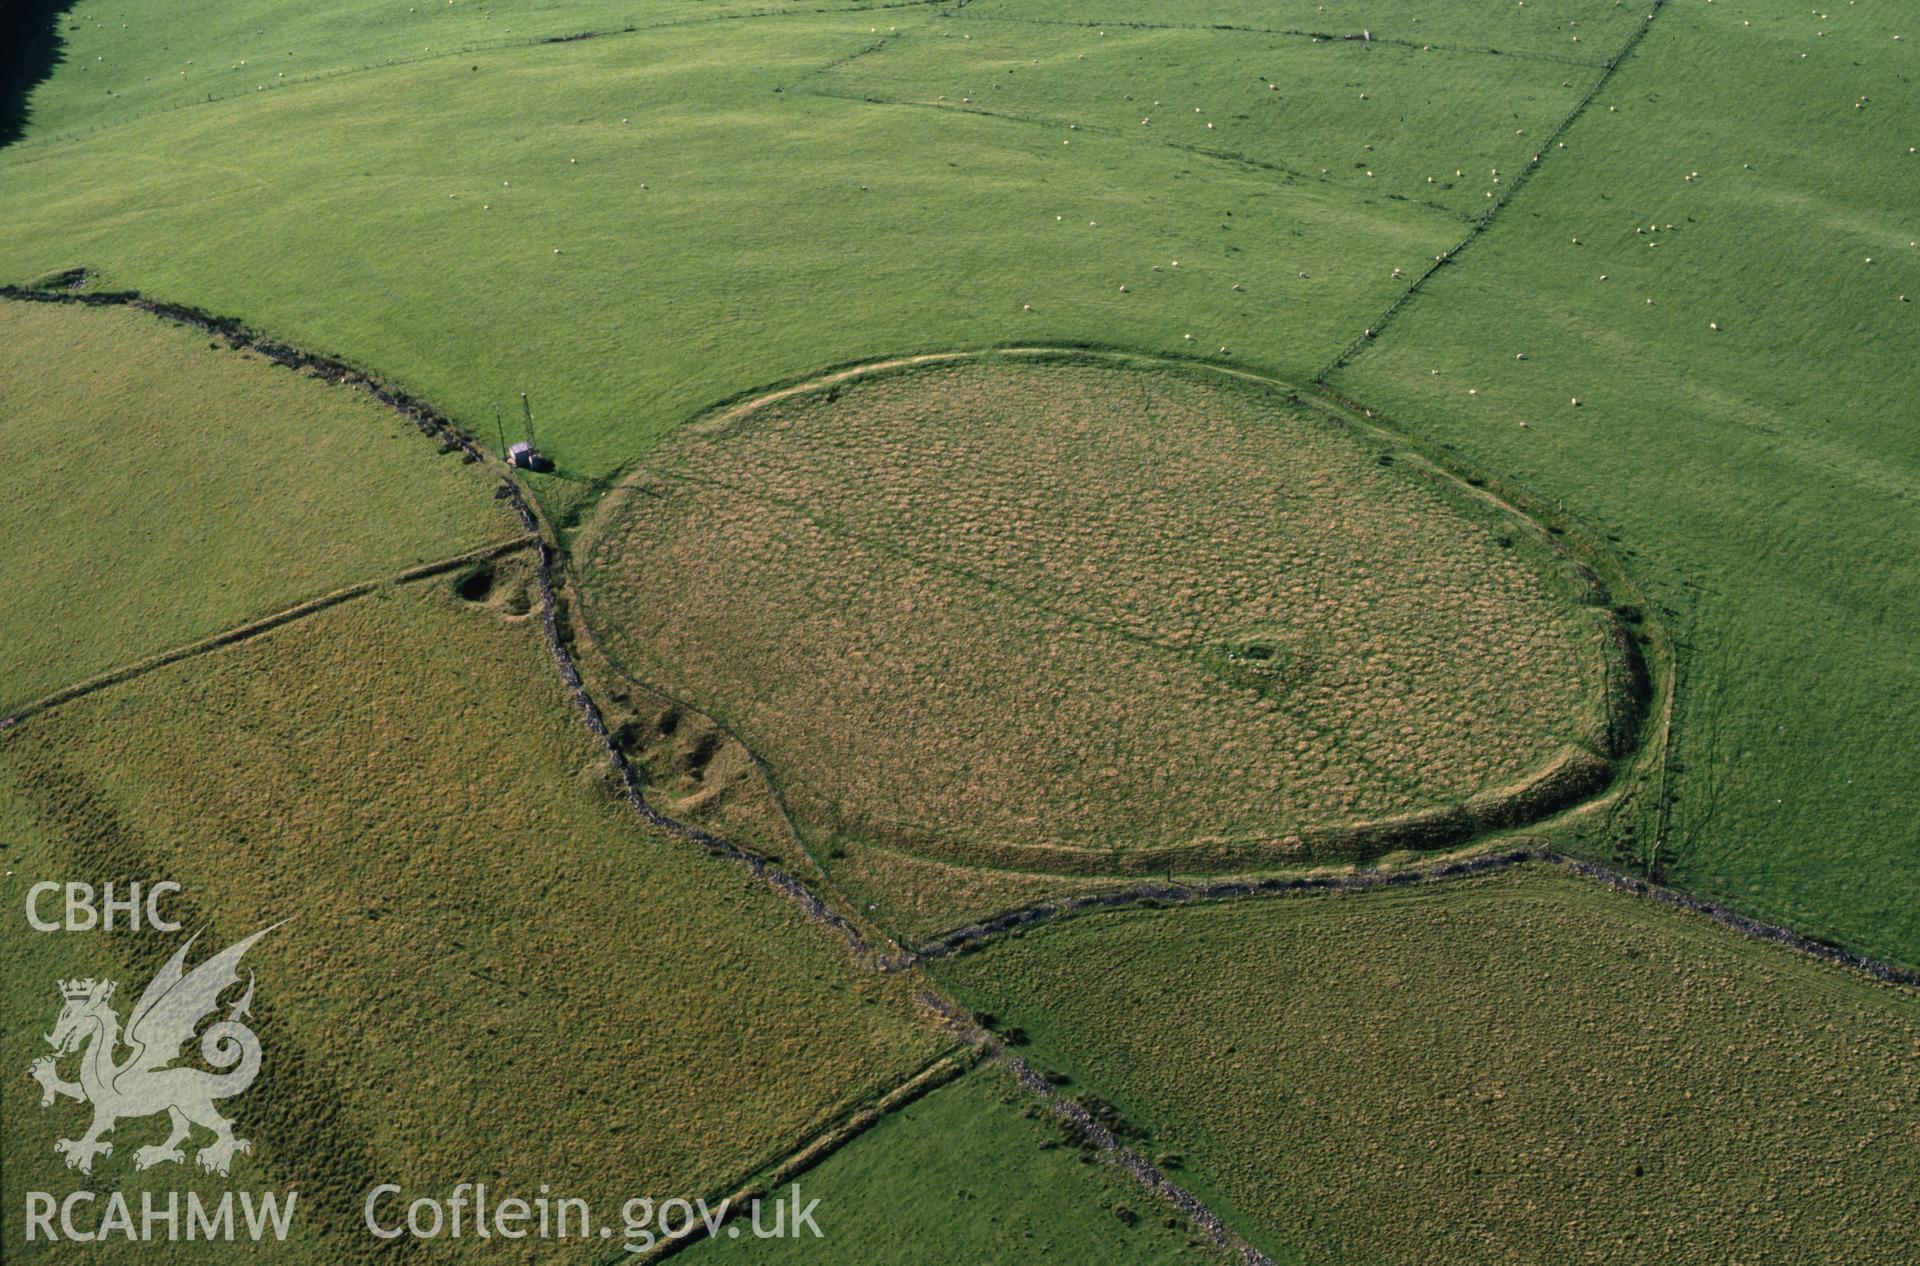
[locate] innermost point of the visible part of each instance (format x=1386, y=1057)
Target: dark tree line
x=30, y=48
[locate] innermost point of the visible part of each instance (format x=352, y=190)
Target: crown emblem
x=81, y=990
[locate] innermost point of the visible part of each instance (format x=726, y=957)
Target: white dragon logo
x=162, y=1022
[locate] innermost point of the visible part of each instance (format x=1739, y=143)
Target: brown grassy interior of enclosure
x=1081, y=615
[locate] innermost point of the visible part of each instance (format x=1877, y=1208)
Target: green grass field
x=1759, y=478
x=426, y=246
x=1523, y=1068
x=172, y=491
x=1376, y=124
x=975, y=1172
x=1545, y=31
x=121, y=63
x=1649, y=271
x=493, y=973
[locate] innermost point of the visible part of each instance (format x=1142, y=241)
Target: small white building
x=523, y=456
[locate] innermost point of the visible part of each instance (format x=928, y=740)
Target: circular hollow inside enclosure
x=1081, y=614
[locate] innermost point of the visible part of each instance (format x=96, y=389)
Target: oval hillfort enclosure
x=907, y=632
x=1081, y=613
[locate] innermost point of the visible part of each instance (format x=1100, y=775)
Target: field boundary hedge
x=463, y=50
x=966, y=939
x=1117, y=1153
x=632, y=788
x=991, y=1046
x=451, y=436
x=979, y=1044
x=254, y=628
x=1318, y=37
x=1485, y=220
x=939, y=1072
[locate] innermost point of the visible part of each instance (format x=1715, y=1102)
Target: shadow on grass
x=30, y=49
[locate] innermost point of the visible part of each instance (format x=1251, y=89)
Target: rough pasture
x=1520, y=1068
x=1086, y=616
